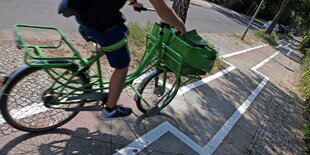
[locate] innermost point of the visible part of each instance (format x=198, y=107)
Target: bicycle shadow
x=59, y=141
x=79, y=141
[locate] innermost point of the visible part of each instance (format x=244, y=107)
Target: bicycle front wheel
x=23, y=102
x=157, y=91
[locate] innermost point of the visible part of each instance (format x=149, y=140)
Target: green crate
x=190, y=51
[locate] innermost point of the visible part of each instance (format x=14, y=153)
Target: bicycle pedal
x=86, y=108
x=89, y=96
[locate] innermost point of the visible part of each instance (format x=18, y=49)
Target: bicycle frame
x=150, y=59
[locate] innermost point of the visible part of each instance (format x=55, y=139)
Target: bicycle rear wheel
x=23, y=102
x=157, y=90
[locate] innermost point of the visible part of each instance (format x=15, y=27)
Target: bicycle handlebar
x=163, y=24
x=144, y=9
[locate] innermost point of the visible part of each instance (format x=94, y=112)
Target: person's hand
x=137, y=5
x=182, y=29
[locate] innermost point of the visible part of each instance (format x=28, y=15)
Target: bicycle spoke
x=25, y=101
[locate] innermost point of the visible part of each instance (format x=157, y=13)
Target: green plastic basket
x=189, y=52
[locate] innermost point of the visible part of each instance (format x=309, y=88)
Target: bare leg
x=116, y=85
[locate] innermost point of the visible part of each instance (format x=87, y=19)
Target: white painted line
x=229, y=124
x=26, y=111
x=243, y=51
x=265, y=61
x=148, y=138
x=143, y=141
x=279, y=46
x=212, y=145
x=190, y=86
x=180, y=135
x=2, y=120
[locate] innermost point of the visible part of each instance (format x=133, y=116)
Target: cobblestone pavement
x=10, y=59
x=277, y=133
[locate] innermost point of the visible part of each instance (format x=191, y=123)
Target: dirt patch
x=224, y=43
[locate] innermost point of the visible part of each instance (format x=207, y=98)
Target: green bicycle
x=47, y=92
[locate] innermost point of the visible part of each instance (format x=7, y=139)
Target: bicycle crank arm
x=89, y=96
x=86, y=108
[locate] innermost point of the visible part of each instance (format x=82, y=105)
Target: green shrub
x=305, y=43
x=305, y=83
x=306, y=133
x=270, y=38
x=285, y=36
x=305, y=90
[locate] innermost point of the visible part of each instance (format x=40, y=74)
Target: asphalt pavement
x=205, y=17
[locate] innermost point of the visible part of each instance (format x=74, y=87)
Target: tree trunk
x=277, y=17
x=181, y=7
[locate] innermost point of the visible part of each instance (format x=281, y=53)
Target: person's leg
x=116, y=85
x=118, y=59
x=113, y=42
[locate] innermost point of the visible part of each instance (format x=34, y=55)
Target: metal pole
x=260, y=5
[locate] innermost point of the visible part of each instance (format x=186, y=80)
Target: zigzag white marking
x=148, y=138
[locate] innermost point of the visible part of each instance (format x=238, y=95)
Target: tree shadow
x=80, y=140
x=59, y=141
x=214, y=104
x=251, y=123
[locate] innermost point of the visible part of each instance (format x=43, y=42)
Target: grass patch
x=306, y=133
x=270, y=38
x=249, y=39
x=218, y=66
x=305, y=83
x=137, y=38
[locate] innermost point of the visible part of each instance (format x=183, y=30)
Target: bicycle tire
x=46, y=119
x=146, y=89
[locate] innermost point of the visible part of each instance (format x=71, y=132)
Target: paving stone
x=252, y=118
x=87, y=125
x=45, y=143
x=82, y=146
x=277, y=123
x=125, y=132
x=237, y=141
x=168, y=144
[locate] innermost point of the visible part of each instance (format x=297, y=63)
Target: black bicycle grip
x=177, y=33
x=140, y=9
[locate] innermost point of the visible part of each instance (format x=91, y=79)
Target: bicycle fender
x=155, y=71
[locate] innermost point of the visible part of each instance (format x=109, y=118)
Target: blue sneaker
x=117, y=114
